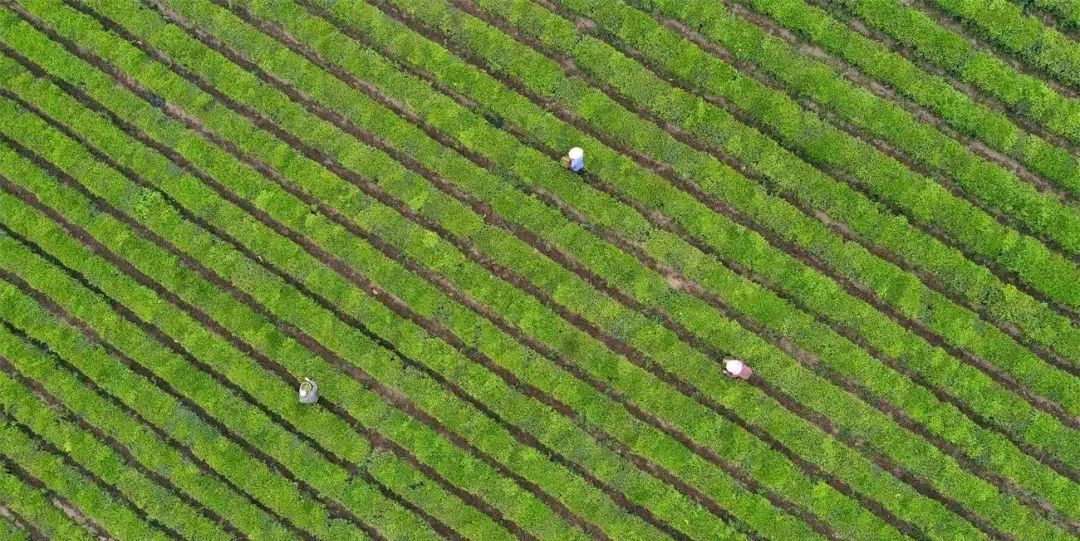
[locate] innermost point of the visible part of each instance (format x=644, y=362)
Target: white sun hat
x=734, y=366
x=577, y=159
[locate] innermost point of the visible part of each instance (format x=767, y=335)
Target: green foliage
x=110, y=468
x=1005, y=25
x=115, y=517
x=33, y=506
x=782, y=315
x=1026, y=95
x=141, y=442
x=1066, y=13
x=979, y=179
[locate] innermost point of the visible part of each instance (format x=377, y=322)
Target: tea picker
x=737, y=369
x=574, y=160
x=309, y=392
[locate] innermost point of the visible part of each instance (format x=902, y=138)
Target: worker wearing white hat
x=577, y=159
x=737, y=369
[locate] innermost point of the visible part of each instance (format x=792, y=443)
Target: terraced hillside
x=874, y=203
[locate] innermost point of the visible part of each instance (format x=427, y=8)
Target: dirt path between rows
x=63, y=504
x=158, y=432
x=803, y=45
x=982, y=42
x=39, y=392
x=334, y=508
x=1031, y=125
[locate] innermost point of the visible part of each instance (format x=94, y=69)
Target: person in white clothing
x=737, y=369
x=574, y=160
